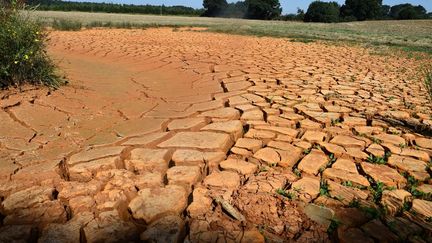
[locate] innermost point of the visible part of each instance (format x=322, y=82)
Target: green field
x=411, y=35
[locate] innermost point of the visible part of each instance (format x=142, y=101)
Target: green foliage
x=428, y=79
x=297, y=173
x=376, y=160
x=293, y=17
x=324, y=189
x=334, y=224
x=58, y=5
x=376, y=191
x=412, y=188
x=287, y=194
x=327, y=12
x=355, y=203
x=332, y=160
x=235, y=10
x=263, y=9
x=362, y=9
x=66, y=25
x=407, y=11
x=385, y=12
x=347, y=183
x=23, y=58
x=214, y=8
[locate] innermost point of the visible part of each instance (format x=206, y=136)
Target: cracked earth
x=172, y=136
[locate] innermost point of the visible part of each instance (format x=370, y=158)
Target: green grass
x=66, y=25
x=428, y=79
x=410, y=36
x=23, y=58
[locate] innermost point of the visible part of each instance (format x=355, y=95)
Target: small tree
x=327, y=12
x=263, y=9
x=362, y=9
x=214, y=8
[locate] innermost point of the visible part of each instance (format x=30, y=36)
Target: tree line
x=352, y=10
x=249, y=9
x=58, y=5
x=359, y=10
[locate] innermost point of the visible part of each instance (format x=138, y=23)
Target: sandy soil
x=167, y=136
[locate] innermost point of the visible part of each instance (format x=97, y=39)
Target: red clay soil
x=169, y=136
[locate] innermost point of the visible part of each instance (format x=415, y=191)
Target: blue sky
x=289, y=6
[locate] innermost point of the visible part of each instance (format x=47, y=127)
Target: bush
x=23, y=58
x=322, y=12
x=68, y=25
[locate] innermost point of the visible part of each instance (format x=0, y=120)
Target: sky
x=289, y=6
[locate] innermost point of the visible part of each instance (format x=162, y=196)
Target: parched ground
x=170, y=135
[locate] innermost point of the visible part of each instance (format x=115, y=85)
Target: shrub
x=23, y=58
x=68, y=25
x=322, y=12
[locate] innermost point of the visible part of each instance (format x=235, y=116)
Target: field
x=181, y=134
x=408, y=35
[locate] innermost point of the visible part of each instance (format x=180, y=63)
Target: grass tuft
x=66, y=25
x=23, y=58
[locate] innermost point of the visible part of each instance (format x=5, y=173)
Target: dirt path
x=170, y=135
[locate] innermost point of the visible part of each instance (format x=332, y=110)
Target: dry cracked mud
x=171, y=136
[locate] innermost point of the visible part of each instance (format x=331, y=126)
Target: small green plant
x=376, y=140
x=355, y=203
x=281, y=192
x=334, y=224
x=376, y=160
x=334, y=122
x=307, y=151
x=412, y=185
x=347, y=183
x=332, y=160
x=287, y=194
x=297, y=172
x=324, y=188
x=406, y=206
x=66, y=25
x=376, y=191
